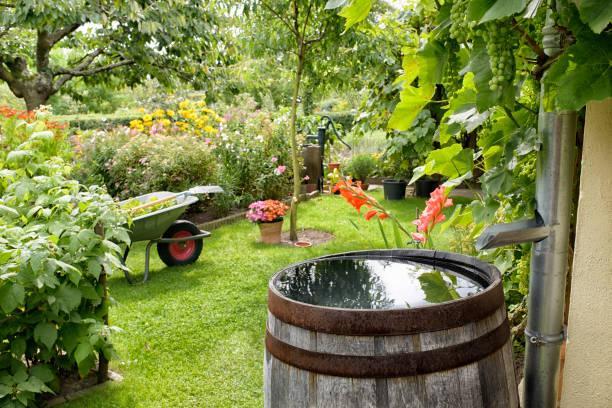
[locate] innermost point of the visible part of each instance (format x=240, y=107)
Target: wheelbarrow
x=179, y=242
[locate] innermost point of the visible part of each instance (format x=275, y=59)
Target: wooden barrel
x=453, y=354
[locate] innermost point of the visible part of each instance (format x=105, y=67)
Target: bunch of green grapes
x=501, y=44
x=452, y=79
x=460, y=28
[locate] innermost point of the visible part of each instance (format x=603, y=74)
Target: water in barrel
x=357, y=283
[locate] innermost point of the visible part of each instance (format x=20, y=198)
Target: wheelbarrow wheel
x=180, y=253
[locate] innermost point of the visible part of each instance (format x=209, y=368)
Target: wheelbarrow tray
x=152, y=226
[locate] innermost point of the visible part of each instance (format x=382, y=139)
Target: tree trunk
x=297, y=181
x=34, y=99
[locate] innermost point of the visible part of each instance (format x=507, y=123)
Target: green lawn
x=193, y=336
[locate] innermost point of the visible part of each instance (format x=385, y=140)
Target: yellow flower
x=170, y=113
x=135, y=124
x=159, y=113
x=210, y=129
x=141, y=110
x=147, y=118
x=184, y=104
x=201, y=104
x=165, y=122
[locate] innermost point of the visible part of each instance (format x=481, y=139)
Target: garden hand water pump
x=321, y=139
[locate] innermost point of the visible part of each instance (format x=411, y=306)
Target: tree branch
x=45, y=41
x=279, y=17
x=66, y=75
x=319, y=38
x=542, y=57
x=82, y=64
x=307, y=18
x=97, y=70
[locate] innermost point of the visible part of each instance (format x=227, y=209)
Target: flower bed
x=245, y=152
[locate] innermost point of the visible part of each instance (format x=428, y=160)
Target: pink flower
x=306, y=177
x=208, y=140
x=419, y=237
x=280, y=170
x=432, y=214
x=274, y=159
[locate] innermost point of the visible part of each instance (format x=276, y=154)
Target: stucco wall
x=587, y=378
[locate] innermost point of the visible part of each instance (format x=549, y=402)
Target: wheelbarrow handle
x=152, y=203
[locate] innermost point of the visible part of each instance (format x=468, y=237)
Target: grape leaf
x=412, y=101
x=452, y=161
x=596, y=13
x=487, y=10
x=434, y=287
x=581, y=74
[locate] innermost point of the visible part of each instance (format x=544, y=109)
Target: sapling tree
x=292, y=29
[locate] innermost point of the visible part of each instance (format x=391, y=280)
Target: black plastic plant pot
x=424, y=187
x=394, y=189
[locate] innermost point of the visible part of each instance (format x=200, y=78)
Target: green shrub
x=361, y=167
x=253, y=153
x=134, y=165
x=57, y=238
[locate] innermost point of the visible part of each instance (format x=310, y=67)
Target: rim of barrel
x=404, y=321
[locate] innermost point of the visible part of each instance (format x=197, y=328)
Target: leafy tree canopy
x=46, y=43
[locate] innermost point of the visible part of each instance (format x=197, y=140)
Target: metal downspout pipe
x=549, y=258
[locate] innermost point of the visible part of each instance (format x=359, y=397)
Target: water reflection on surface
x=372, y=284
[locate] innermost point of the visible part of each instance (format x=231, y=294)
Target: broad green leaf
x=412, y=101
x=432, y=62
x=583, y=73
x=83, y=355
x=8, y=211
x=43, y=372
x=5, y=390
x=596, y=13
x=12, y=296
x=18, y=347
x=46, y=334
x=452, y=161
x=67, y=298
x=435, y=288
x=483, y=211
x=417, y=173
x=355, y=11
x=503, y=8
x=17, y=155
x=497, y=181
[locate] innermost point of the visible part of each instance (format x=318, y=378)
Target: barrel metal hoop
x=390, y=365
x=372, y=322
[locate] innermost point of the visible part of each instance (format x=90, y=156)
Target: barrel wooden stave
x=487, y=383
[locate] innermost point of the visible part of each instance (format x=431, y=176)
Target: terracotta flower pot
x=332, y=166
x=271, y=231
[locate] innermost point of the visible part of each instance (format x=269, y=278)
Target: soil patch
x=205, y=216
x=73, y=387
x=315, y=237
